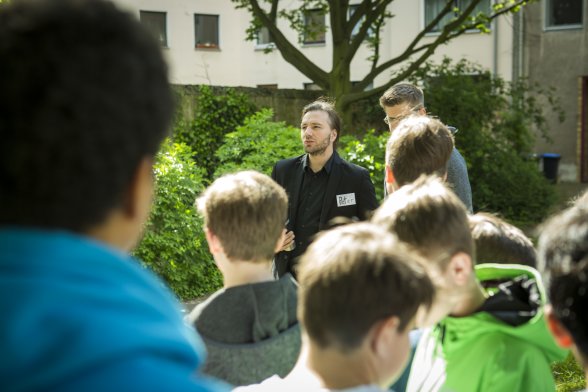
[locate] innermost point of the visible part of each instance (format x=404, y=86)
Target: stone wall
x=287, y=105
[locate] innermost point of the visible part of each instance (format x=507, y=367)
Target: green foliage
x=368, y=152
x=569, y=375
x=258, y=144
x=497, y=123
x=215, y=116
x=174, y=246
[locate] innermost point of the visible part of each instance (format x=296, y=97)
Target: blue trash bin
x=550, y=166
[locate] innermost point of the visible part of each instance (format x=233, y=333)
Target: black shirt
x=310, y=204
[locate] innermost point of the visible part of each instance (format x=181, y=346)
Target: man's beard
x=319, y=147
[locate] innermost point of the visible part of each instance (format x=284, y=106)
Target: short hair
x=419, y=145
x=580, y=200
x=563, y=260
x=85, y=98
x=497, y=241
x=430, y=217
x=247, y=212
x=353, y=276
x=327, y=106
x=402, y=93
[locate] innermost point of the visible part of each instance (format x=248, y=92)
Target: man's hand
x=287, y=241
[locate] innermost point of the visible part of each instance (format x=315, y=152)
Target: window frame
x=215, y=46
x=264, y=45
x=164, y=44
x=305, y=42
x=438, y=32
x=546, y=13
x=370, y=32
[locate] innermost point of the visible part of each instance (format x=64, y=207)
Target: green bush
x=258, y=144
x=215, y=116
x=369, y=152
x=497, y=122
x=174, y=245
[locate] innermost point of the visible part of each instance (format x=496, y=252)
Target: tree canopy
x=349, y=30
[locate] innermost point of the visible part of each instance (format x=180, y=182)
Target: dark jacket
x=345, y=179
x=457, y=176
x=251, y=331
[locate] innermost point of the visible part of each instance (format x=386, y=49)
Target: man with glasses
x=405, y=99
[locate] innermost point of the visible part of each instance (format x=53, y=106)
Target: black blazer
x=350, y=192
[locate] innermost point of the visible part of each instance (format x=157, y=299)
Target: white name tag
x=348, y=199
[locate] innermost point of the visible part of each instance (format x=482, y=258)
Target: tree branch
x=450, y=31
x=371, y=15
x=288, y=51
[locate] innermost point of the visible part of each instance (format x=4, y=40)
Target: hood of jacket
x=247, y=313
x=514, y=308
x=73, y=307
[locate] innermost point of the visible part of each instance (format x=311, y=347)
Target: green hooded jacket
x=504, y=346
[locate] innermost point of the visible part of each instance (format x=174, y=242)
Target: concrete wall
x=238, y=63
x=558, y=58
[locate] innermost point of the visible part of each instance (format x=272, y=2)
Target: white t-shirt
x=276, y=383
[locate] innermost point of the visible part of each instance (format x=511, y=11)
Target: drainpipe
x=520, y=37
x=495, y=47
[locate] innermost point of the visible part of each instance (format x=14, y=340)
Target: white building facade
x=204, y=41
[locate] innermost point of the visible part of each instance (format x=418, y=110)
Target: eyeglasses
x=390, y=120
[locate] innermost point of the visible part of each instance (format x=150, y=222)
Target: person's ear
x=384, y=336
x=560, y=333
x=136, y=203
x=214, y=244
x=280, y=241
x=460, y=269
x=391, y=185
x=334, y=134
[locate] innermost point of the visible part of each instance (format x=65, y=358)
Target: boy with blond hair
x=419, y=145
x=249, y=326
x=488, y=330
x=360, y=291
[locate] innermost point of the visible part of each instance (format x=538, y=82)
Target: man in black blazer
x=320, y=185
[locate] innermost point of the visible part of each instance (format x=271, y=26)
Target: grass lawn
x=569, y=376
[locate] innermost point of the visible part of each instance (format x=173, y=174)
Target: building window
x=563, y=13
x=206, y=30
x=314, y=24
x=155, y=22
x=268, y=86
x=433, y=9
x=264, y=38
x=312, y=87
x=369, y=87
x=352, y=8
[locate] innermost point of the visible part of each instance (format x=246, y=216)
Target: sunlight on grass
x=569, y=376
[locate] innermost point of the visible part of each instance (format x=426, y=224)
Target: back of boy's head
x=419, y=145
x=84, y=98
x=500, y=242
x=562, y=257
x=246, y=211
x=403, y=93
x=428, y=216
x=353, y=276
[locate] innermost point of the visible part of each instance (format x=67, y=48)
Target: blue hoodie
x=79, y=316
